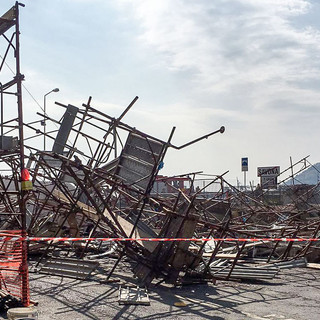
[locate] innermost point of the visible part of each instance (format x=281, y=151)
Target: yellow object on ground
x=180, y=304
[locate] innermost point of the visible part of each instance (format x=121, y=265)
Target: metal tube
x=45, y=115
x=22, y=202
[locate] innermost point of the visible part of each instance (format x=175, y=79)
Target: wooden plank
x=126, y=225
x=313, y=265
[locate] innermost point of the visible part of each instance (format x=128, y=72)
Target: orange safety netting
x=13, y=268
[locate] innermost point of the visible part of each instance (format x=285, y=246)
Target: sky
x=250, y=65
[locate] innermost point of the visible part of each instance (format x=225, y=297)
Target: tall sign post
x=244, y=168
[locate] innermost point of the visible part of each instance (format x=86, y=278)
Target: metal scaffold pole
x=23, y=193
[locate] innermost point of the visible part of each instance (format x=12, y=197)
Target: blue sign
x=244, y=164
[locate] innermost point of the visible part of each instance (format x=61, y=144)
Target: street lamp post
x=44, y=116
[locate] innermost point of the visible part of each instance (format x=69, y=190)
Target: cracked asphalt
x=293, y=295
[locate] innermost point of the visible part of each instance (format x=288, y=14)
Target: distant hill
x=309, y=176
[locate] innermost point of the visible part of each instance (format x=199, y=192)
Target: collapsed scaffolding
x=101, y=180
x=111, y=193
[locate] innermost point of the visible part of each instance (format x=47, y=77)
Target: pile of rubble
x=101, y=180
x=111, y=192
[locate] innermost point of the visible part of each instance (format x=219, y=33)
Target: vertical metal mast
x=23, y=194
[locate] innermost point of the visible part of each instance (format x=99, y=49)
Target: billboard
x=268, y=171
x=268, y=176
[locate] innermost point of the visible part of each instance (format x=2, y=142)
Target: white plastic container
x=22, y=314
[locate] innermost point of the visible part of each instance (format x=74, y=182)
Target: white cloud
x=223, y=46
x=247, y=61
x=245, y=64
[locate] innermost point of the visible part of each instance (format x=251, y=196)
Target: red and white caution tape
x=60, y=239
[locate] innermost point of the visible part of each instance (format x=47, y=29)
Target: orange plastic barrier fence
x=13, y=272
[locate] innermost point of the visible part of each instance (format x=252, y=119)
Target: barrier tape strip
x=6, y=238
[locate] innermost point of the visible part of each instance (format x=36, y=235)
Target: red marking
x=25, y=175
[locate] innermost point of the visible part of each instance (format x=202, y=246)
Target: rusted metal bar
x=221, y=130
